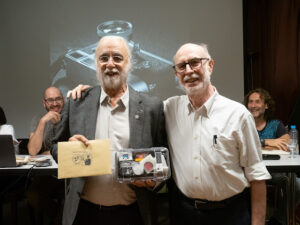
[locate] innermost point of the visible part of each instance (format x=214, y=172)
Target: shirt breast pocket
x=225, y=151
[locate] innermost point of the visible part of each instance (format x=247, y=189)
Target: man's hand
x=79, y=137
x=51, y=115
x=147, y=183
x=76, y=92
x=279, y=143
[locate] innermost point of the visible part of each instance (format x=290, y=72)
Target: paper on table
x=77, y=160
x=29, y=159
x=275, y=152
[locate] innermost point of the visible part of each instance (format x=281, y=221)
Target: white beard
x=201, y=87
x=112, y=82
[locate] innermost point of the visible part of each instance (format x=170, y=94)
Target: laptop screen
x=7, y=151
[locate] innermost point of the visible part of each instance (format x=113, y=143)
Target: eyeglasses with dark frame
x=194, y=63
x=50, y=101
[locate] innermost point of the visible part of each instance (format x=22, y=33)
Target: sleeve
x=61, y=130
x=161, y=136
x=250, y=152
x=280, y=130
x=34, y=123
x=9, y=130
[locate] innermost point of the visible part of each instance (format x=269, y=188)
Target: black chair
x=23, y=142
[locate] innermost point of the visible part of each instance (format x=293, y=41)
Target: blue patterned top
x=273, y=129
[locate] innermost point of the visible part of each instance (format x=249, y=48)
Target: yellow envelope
x=77, y=160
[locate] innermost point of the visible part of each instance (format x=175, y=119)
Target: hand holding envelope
x=75, y=159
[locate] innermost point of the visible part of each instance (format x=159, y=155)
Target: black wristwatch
x=262, y=141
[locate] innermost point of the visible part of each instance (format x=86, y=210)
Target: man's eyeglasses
x=52, y=100
x=115, y=58
x=194, y=63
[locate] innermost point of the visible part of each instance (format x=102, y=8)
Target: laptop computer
x=7, y=151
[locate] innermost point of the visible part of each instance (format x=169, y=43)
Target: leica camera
x=150, y=72
x=142, y=164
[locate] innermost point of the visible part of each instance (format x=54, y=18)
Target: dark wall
x=272, y=51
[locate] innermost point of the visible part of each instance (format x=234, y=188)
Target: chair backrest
x=23, y=142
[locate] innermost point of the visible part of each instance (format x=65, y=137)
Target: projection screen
x=47, y=43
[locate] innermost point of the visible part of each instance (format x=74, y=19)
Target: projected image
x=150, y=72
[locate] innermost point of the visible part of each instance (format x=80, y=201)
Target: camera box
x=142, y=164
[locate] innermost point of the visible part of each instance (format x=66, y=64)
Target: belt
x=203, y=204
x=105, y=208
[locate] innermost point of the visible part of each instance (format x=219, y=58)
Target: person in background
x=8, y=129
x=46, y=193
x=273, y=135
x=129, y=120
x=42, y=129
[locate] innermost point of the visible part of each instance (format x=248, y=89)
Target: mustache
x=194, y=75
x=113, y=70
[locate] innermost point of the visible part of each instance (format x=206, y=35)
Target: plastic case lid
x=142, y=164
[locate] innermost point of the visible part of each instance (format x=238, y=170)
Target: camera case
x=142, y=164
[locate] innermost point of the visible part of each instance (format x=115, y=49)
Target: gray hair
x=128, y=49
x=202, y=45
x=205, y=47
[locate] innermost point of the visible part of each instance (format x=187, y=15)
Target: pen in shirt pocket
x=215, y=139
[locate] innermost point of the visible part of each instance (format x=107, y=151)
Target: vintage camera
x=150, y=72
x=142, y=164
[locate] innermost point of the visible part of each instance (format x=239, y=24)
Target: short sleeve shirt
x=48, y=132
x=273, y=129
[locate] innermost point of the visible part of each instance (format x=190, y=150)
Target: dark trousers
x=92, y=214
x=234, y=211
x=46, y=196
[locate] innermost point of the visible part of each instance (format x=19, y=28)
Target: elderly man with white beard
x=215, y=150
x=128, y=119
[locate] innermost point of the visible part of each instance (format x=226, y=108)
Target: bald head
x=191, y=47
x=53, y=99
x=193, y=68
x=48, y=91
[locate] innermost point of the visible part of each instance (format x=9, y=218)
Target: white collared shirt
x=215, y=149
x=112, y=123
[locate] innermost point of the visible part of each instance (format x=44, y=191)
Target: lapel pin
x=137, y=117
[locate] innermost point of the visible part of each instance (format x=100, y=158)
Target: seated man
x=272, y=135
x=46, y=193
x=42, y=126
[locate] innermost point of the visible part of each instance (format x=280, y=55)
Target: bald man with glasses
x=42, y=127
x=215, y=150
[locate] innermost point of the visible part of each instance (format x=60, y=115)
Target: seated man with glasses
x=42, y=126
x=46, y=193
